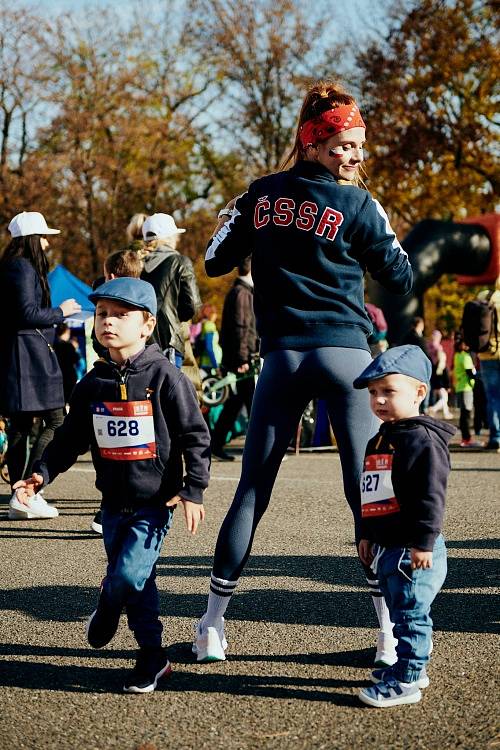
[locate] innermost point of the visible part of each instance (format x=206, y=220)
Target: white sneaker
x=386, y=650
x=37, y=507
x=210, y=643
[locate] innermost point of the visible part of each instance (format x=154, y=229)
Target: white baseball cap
x=30, y=222
x=161, y=225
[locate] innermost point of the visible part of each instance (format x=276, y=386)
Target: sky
x=357, y=13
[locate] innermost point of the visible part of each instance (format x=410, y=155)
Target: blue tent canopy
x=63, y=285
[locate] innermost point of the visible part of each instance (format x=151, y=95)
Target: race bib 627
x=377, y=492
x=124, y=430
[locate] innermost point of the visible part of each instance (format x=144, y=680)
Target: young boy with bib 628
x=403, y=488
x=139, y=414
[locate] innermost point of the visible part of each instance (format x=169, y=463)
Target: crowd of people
x=466, y=377
x=302, y=240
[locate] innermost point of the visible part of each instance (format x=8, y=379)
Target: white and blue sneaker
x=210, y=643
x=380, y=675
x=390, y=693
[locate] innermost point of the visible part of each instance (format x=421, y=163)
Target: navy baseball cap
x=403, y=360
x=133, y=291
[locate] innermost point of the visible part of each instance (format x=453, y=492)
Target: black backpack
x=480, y=325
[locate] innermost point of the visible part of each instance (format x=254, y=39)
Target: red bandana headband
x=330, y=123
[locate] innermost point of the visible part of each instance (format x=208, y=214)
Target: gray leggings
x=289, y=380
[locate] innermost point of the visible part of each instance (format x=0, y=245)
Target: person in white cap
x=173, y=278
x=30, y=377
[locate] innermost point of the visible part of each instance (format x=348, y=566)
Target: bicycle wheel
x=213, y=396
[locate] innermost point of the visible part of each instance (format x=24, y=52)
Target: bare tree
x=263, y=51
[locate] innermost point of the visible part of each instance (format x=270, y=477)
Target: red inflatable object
x=490, y=222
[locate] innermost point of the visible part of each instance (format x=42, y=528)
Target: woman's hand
x=194, y=513
x=27, y=488
x=69, y=307
x=230, y=205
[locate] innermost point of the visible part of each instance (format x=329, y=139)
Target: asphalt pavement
x=301, y=628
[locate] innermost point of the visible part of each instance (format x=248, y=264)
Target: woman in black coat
x=30, y=376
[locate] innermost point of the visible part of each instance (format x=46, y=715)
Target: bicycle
x=216, y=389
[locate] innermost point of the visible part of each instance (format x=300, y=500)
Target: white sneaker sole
x=212, y=649
x=167, y=670
x=25, y=515
x=96, y=527
x=87, y=627
x=400, y=701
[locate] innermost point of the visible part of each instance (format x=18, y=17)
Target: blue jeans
x=133, y=544
x=409, y=595
x=490, y=372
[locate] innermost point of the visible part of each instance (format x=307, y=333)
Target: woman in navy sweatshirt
x=312, y=233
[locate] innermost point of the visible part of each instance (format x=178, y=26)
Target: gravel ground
x=301, y=628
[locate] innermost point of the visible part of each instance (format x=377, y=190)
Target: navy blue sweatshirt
x=140, y=422
x=311, y=240
x=403, y=485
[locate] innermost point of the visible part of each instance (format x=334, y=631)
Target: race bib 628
x=124, y=430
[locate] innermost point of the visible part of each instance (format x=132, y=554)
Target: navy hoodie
x=403, y=485
x=139, y=422
x=311, y=240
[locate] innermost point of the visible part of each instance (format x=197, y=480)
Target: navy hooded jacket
x=405, y=508
x=311, y=241
x=149, y=387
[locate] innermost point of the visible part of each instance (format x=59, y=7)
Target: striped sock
x=218, y=599
x=381, y=608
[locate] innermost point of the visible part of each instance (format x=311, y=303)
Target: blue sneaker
x=390, y=693
x=380, y=675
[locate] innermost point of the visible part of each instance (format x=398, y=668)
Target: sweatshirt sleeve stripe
x=221, y=235
x=390, y=231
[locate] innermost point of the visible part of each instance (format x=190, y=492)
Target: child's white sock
x=381, y=608
x=383, y=616
x=218, y=599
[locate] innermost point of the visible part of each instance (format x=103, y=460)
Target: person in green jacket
x=464, y=371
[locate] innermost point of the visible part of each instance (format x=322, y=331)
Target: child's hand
x=26, y=488
x=365, y=551
x=194, y=513
x=420, y=559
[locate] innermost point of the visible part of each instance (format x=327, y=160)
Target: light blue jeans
x=490, y=372
x=409, y=595
x=133, y=544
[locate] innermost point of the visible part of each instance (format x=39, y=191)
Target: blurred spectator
x=377, y=341
x=440, y=379
x=31, y=382
x=464, y=372
x=415, y=336
x=3, y=441
x=134, y=230
x=68, y=359
x=239, y=345
x=208, y=348
x=490, y=368
x=81, y=365
x=172, y=276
